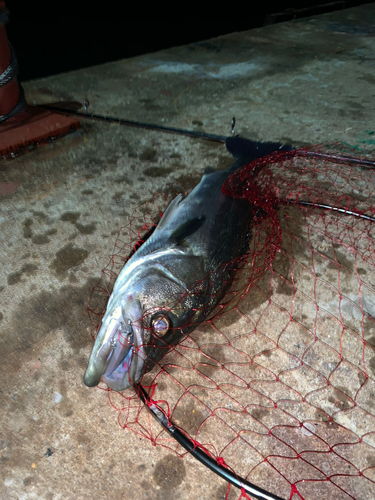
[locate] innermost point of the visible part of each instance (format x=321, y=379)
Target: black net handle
x=199, y=454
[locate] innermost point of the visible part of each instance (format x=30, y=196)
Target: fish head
x=138, y=328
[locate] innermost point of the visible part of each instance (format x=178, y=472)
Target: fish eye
x=160, y=324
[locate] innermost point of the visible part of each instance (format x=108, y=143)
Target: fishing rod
x=132, y=123
x=198, y=135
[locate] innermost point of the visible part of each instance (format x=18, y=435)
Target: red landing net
x=278, y=384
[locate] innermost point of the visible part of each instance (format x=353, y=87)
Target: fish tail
x=245, y=150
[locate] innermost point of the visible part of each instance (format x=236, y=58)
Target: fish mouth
x=118, y=355
x=119, y=368
x=122, y=365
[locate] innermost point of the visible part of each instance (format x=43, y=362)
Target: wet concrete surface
x=62, y=205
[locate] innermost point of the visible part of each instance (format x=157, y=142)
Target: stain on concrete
x=87, y=191
x=260, y=413
x=169, y=472
x=67, y=257
x=161, y=386
x=333, y=266
x=64, y=365
x=179, y=166
x=367, y=78
x=157, y=171
x=372, y=365
x=14, y=278
x=361, y=377
x=281, y=264
x=166, y=92
x=1, y=315
x=341, y=257
x=125, y=178
x=71, y=217
x=216, y=352
x=46, y=312
x=370, y=460
x=62, y=387
x=149, y=154
x=150, y=105
x=146, y=485
x=340, y=400
x=175, y=155
x=190, y=414
x=40, y=239
x=39, y=215
x=320, y=415
x=27, y=232
x=118, y=195
x=73, y=278
x=369, y=329
x=28, y=269
x=253, y=300
x=285, y=288
x=207, y=367
x=87, y=228
x=82, y=362
x=28, y=480
x=82, y=438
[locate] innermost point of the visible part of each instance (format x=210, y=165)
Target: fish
x=177, y=277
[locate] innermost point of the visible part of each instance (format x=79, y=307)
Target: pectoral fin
x=186, y=229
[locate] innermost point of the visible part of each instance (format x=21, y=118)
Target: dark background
x=58, y=40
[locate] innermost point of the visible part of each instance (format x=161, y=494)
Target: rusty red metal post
x=22, y=125
x=11, y=95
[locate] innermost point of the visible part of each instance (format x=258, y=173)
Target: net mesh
x=278, y=383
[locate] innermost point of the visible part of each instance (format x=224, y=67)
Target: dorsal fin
x=169, y=211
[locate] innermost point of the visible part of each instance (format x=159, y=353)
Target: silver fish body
x=175, y=279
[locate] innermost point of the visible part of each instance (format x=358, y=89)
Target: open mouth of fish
x=117, y=369
x=118, y=355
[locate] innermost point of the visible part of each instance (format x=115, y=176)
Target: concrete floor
x=62, y=205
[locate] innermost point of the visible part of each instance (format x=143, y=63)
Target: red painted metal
x=9, y=93
x=33, y=126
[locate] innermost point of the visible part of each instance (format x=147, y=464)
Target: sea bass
x=176, y=278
